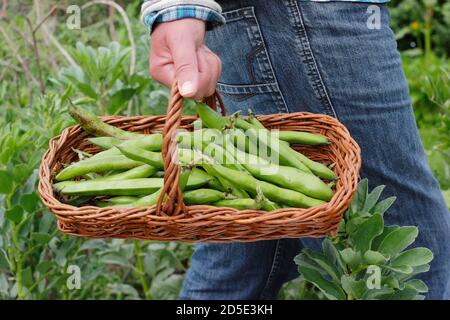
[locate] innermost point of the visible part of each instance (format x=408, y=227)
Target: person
x=337, y=58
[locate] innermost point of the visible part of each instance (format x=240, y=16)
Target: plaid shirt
x=211, y=16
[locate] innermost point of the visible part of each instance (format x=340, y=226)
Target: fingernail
x=187, y=88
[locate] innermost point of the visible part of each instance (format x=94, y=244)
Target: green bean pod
x=229, y=186
x=90, y=123
x=203, y=196
x=301, y=137
x=284, y=176
x=284, y=152
x=147, y=201
x=122, y=200
x=105, y=142
x=83, y=167
x=130, y=187
x=216, y=185
x=151, y=142
x=317, y=168
x=143, y=171
x=293, y=158
x=152, y=199
x=255, y=122
x=240, y=204
x=272, y=192
x=149, y=157
x=268, y=205
x=210, y=118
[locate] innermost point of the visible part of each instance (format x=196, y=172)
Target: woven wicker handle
x=170, y=201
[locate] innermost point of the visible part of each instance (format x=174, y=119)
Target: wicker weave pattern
x=207, y=223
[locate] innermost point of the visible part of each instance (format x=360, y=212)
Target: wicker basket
x=201, y=223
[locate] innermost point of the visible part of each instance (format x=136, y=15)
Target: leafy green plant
x=421, y=25
x=366, y=260
x=102, y=79
x=429, y=82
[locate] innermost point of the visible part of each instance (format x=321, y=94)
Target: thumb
x=186, y=69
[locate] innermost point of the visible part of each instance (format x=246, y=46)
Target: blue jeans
x=289, y=56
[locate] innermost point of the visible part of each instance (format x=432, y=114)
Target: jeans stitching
x=283, y=104
x=261, y=55
x=308, y=58
x=273, y=269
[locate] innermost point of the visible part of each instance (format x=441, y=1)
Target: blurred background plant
x=103, y=66
x=421, y=25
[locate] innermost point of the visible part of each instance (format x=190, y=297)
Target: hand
x=178, y=52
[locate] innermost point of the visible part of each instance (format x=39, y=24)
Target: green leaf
x=85, y=88
x=44, y=267
x=405, y=294
x=390, y=281
x=329, y=289
x=30, y=202
x=303, y=260
x=15, y=214
x=119, y=99
x=374, y=257
x=4, y=261
x=4, y=286
x=413, y=257
x=399, y=269
x=93, y=244
x=45, y=222
x=27, y=277
x=324, y=262
x=115, y=258
x=353, y=224
x=418, y=285
x=372, y=198
x=20, y=173
x=332, y=253
x=382, y=206
x=353, y=288
x=41, y=238
x=387, y=230
x=366, y=232
x=351, y=258
x=150, y=264
x=398, y=240
x=125, y=289
x=360, y=197
x=377, y=294
x=6, y=185
x=416, y=270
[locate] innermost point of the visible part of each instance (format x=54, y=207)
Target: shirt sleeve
x=155, y=11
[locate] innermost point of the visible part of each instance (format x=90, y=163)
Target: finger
x=215, y=65
x=161, y=68
x=205, y=76
x=186, y=68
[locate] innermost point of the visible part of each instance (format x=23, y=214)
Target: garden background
x=103, y=66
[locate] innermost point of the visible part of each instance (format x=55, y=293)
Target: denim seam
x=273, y=269
x=283, y=101
x=308, y=57
x=240, y=13
x=247, y=89
x=260, y=56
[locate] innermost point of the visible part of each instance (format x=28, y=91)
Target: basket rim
x=118, y=119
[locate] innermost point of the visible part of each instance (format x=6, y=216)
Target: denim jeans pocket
x=248, y=79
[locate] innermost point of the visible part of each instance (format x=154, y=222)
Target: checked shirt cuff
x=212, y=17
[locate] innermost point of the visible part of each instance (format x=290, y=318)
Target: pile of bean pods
x=229, y=161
